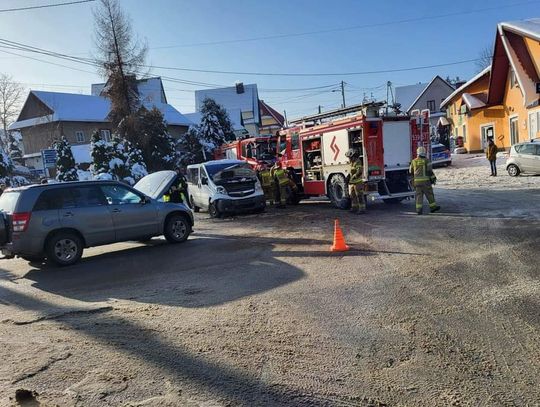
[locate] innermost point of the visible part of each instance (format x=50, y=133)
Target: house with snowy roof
x=502, y=101
x=423, y=96
x=47, y=116
x=244, y=98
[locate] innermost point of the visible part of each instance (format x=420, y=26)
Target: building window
x=105, y=135
x=513, y=79
x=431, y=105
x=464, y=131
x=80, y=136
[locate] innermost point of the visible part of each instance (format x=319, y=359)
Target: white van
x=224, y=186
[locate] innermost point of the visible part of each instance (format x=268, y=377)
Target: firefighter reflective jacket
x=357, y=172
x=266, y=178
x=421, y=171
x=281, y=176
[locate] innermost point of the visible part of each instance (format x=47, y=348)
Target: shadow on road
x=235, y=387
x=199, y=273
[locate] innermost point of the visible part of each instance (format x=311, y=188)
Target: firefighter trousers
x=427, y=190
x=282, y=192
x=358, y=201
x=269, y=193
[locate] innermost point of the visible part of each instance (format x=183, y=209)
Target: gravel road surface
x=432, y=310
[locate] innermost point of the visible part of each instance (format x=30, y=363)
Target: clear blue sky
x=182, y=23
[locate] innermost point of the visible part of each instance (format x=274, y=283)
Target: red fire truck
x=255, y=150
x=314, y=153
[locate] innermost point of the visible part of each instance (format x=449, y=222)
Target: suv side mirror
x=204, y=181
x=145, y=200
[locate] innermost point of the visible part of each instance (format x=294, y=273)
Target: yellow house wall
x=534, y=51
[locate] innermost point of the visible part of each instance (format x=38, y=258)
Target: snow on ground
x=471, y=171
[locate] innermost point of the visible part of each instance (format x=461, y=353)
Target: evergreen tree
x=65, y=163
x=158, y=146
x=117, y=164
x=14, y=148
x=101, y=155
x=5, y=166
x=135, y=162
x=190, y=148
x=215, y=127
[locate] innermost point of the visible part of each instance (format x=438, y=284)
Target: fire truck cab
x=315, y=155
x=255, y=150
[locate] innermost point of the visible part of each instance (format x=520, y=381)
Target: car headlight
x=221, y=190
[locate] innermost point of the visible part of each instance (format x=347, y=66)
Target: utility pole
x=320, y=109
x=343, y=93
x=285, y=116
x=388, y=84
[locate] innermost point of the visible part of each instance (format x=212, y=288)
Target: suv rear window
x=74, y=197
x=8, y=201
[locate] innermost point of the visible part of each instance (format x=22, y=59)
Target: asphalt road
x=431, y=310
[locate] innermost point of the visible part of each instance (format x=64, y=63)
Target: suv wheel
x=513, y=170
x=64, y=248
x=177, y=229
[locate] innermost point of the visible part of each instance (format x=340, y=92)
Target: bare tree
x=484, y=59
x=11, y=94
x=120, y=56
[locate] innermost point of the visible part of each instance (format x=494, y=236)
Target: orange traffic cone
x=339, y=241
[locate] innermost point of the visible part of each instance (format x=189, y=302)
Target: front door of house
x=514, y=131
x=488, y=131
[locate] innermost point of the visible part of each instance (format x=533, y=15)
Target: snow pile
x=104, y=176
x=84, y=175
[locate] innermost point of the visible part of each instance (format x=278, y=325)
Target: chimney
x=239, y=87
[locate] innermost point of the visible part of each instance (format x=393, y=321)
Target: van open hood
x=156, y=184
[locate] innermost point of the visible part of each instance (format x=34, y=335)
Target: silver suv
x=56, y=221
x=524, y=157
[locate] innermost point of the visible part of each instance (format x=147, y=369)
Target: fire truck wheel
x=338, y=191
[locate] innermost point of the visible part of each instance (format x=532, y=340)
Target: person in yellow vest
x=281, y=178
x=356, y=182
x=423, y=178
x=267, y=183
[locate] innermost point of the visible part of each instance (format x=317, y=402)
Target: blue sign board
x=49, y=158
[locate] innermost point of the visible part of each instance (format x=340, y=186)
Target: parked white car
x=224, y=186
x=524, y=157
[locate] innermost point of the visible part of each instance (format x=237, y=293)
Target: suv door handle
x=116, y=210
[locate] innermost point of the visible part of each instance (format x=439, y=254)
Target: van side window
x=295, y=141
x=56, y=198
x=194, y=175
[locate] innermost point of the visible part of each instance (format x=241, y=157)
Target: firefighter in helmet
x=423, y=179
x=281, y=179
x=267, y=183
x=356, y=181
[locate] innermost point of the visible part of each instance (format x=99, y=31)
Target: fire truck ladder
x=372, y=107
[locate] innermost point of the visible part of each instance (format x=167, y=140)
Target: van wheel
x=177, y=229
x=195, y=207
x=213, y=210
x=338, y=192
x=64, y=248
x=513, y=170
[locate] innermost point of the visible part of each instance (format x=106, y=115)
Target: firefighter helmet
x=351, y=153
x=421, y=151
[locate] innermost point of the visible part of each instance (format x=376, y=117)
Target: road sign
x=49, y=158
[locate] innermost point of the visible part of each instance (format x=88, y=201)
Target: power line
x=39, y=6
x=312, y=74
x=354, y=27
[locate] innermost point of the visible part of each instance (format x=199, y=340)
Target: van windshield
x=240, y=169
x=8, y=201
